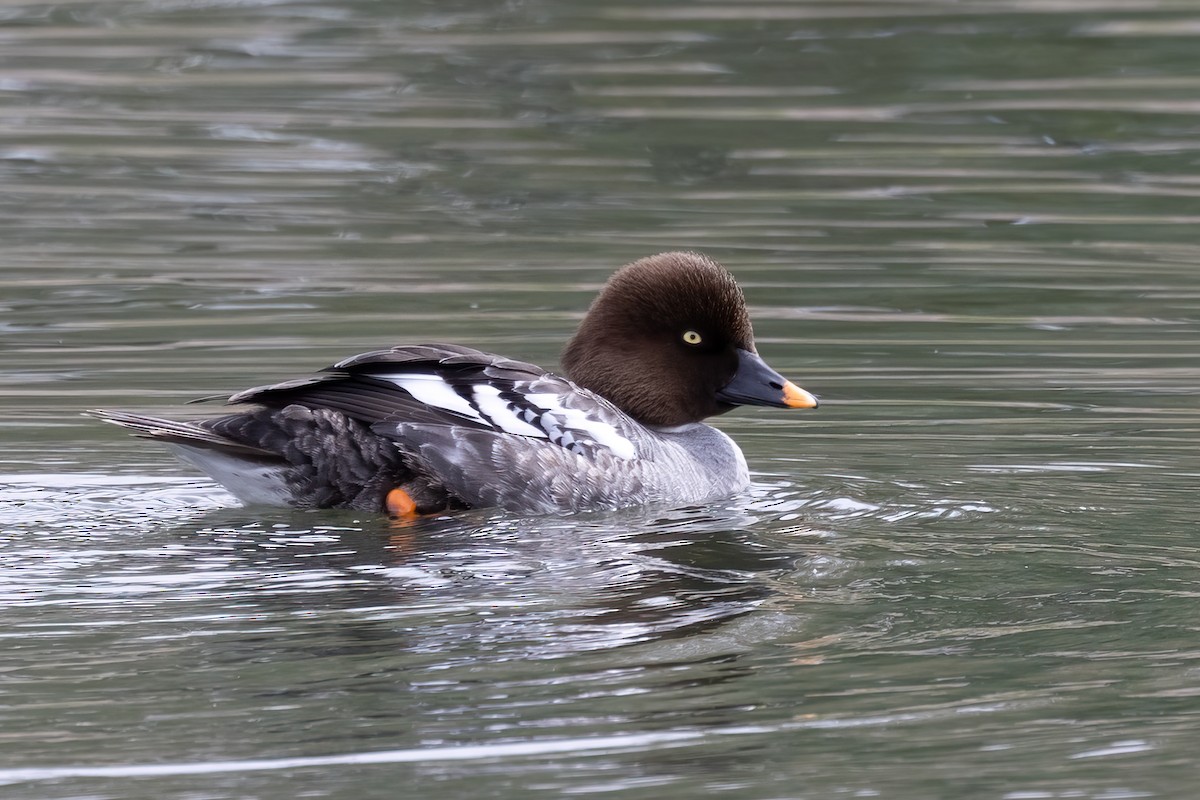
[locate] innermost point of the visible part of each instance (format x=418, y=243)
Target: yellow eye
x=691, y=337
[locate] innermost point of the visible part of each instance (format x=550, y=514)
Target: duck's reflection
x=528, y=587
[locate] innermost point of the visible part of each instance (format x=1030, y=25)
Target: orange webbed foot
x=400, y=504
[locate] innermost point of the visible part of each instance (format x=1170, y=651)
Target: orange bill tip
x=795, y=397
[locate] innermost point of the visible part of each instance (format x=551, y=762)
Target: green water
x=969, y=227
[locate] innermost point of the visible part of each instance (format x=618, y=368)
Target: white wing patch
x=434, y=392
x=574, y=419
x=502, y=414
x=544, y=418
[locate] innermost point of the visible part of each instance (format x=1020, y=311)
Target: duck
x=431, y=428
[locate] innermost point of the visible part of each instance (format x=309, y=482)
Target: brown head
x=668, y=340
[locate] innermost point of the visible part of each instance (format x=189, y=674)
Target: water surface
x=968, y=227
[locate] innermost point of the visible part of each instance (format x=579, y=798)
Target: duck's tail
x=188, y=434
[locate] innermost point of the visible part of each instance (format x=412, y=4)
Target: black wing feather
x=351, y=387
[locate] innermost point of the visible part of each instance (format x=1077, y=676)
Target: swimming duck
x=419, y=429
